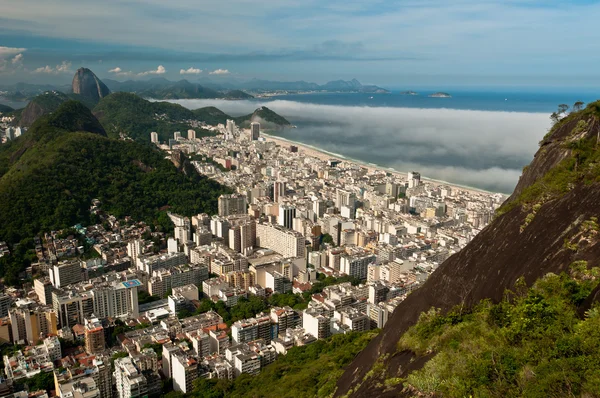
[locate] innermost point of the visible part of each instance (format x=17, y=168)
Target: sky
x=538, y=43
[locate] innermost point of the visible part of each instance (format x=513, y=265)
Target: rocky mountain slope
x=542, y=228
x=87, y=84
x=40, y=105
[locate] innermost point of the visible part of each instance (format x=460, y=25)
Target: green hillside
x=267, y=118
x=535, y=343
x=180, y=90
x=5, y=108
x=308, y=371
x=211, y=115
x=49, y=175
x=130, y=114
x=236, y=95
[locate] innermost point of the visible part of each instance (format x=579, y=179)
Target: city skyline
x=488, y=43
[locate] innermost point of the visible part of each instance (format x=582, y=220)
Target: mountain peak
x=71, y=116
x=87, y=84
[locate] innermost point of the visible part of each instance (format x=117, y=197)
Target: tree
x=563, y=108
x=577, y=106
x=555, y=117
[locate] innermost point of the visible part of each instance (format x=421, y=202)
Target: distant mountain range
x=128, y=114
x=161, y=88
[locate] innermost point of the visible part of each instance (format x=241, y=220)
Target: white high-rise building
x=177, y=135
x=117, y=300
x=131, y=383
x=191, y=134
x=10, y=133
x=230, y=130
x=172, y=246
x=279, y=188
x=286, y=242
x=134, y=250
x=185, y=371
x=154, y=137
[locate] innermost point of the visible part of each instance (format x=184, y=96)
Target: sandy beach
x=323, y=155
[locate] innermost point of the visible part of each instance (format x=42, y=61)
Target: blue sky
x=390, y=43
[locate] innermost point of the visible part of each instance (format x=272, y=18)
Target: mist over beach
x=482, y=149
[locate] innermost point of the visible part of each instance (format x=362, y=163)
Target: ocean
x=480, y=139
x=501, y=100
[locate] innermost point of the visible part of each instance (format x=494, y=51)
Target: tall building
x=10, y=133
x=279, y=189
x=43, y=289
x=232, y=204
x=72, y=309
x=185, y=371
x=286, y=216
x=94, y=336
x=66, y=273
x=242, y=237
x=117, y=300
x=134, y=250
x=32, y=324
x=356, y=266
x=176, y=135
x=191, y=134
x=254, y=131
x=183, y=234
x=230, y=130
x=154, y=137
x=286, y=242
x=131, y=383
x=414, y=179
x=345, y=198
x=5, y=302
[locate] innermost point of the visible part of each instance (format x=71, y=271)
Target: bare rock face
x=506, y=250
x=87, y=84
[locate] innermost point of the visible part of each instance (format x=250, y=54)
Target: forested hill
x=50, y=174
x=136, y=117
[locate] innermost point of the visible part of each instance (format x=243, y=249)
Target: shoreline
x=325, y=155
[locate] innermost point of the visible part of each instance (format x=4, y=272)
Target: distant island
x=409, y=93
x=440, y=95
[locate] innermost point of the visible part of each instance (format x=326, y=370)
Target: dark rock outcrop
x=87, y=84
x=508, y=249
x=41, y=105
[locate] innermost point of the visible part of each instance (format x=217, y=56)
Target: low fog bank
x=483, y=149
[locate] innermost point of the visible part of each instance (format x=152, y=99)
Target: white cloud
x=120, y=72
x=17, y=60
x=220, y=72
x=116, y=70
x=159, y=71
x=64, y=67
x=10, y=51
x=190, y=71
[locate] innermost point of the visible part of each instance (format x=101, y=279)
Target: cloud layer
x=479, y=148
x=190, y=71
x=117, y=71
x=64, y=67
x=219, y=72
